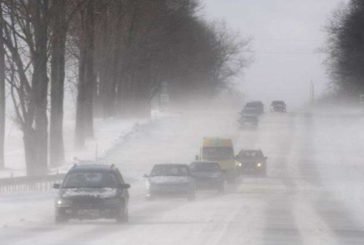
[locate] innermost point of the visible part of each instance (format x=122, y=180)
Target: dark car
x=92, y=191
x=253, y=108
x=170, y=180
x=208, y=175
x=278, y=106
x=252, y=162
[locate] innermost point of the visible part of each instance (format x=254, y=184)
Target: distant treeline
x=122, y=50
x=346, y=50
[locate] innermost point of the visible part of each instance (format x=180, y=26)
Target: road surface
x=312, y=193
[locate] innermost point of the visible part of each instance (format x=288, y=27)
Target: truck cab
x=219, y=150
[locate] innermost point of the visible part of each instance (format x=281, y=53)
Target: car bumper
x=252, y=169
x=84, y=210
x=170, y=189
x=209, y=183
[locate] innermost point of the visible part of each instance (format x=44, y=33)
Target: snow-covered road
x=313, y=193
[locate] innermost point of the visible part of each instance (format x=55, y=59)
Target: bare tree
x=86, y=83
x=108, y=43
x=40, y=83
x=346, y=49
x=58, y=46
x=25, y=36
x=2, y=91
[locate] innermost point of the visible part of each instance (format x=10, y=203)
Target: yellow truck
x=220, y=150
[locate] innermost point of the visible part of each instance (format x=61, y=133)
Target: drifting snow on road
x=311, y=194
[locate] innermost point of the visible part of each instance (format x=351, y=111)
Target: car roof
x=204, y=162
x=171, y=164
x=255, y=102
x=278, y=102
x=93, y=167
x=251, y=150
x=216, y=142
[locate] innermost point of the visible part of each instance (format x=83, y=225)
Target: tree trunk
x=110, y=56
x=86, y=83
x=2, y=92
x=57, y=84
x=107, y=94
x=40, y=87
x=30, y=150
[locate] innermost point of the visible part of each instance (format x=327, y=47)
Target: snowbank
x=107, y=133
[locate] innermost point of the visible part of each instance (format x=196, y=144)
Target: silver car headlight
x=259, y=165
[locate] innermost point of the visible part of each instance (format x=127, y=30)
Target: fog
x=311, y=193
x=288, y=39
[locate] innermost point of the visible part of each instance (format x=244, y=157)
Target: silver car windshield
x=169, y=171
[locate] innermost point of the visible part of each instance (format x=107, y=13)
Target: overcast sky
x=287, y=36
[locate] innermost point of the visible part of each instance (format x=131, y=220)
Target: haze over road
x=288, y=39
x=311, y=195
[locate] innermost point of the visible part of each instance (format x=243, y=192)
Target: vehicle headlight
x=259, y=165
x=63, y=202
x=240, y=164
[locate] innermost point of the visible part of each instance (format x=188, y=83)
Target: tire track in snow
x=276, y=139
x=344, y=226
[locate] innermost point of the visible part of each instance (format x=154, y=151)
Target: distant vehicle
x=252, y=162
x=170, y=180
x=253, y=108
x=248, y=122
x=278, y=106
x=219, y=150
x=208, y=175
x=92, y=191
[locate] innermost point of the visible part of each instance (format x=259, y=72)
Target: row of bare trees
x=124, y=50
x=346, y=49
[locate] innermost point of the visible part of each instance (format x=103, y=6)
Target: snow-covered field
x=107, y=134
x=313, y=193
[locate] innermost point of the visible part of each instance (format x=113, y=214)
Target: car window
x=169, y=171
x=90, y=179
x=251, y=154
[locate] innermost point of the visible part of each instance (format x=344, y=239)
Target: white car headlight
x=259, y=165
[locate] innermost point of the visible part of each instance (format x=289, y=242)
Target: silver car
x=170, y=180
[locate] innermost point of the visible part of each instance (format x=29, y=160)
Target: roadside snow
x=107, y=133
